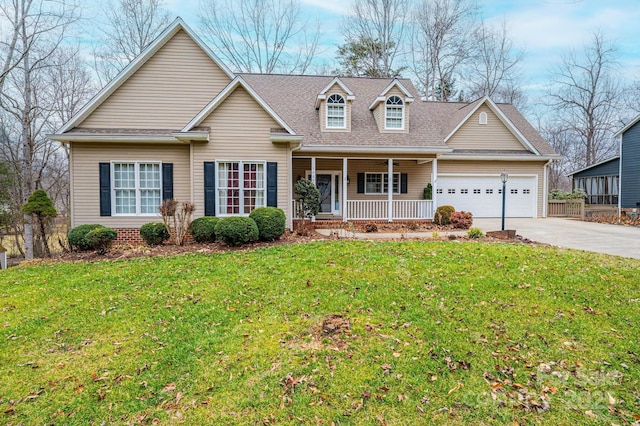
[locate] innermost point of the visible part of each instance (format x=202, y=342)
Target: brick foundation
x=131, y=236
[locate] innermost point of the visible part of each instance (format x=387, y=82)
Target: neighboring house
x=599, y=182
x=177, y=123
x=603, y=181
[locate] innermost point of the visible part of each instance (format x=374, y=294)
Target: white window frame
x=385, y=176
x=241, y=186
x=342, y=105
x=482, y=118
x=136, y=188
x=395, y=106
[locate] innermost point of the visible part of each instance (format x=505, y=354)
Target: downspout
x=290, y=183
x=620, y=183
x=545, y=188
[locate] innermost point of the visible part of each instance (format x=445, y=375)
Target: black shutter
x=272, y=184
x=209, y=188
x=403, y=183
x=360, y=183
x=167, y=181
x=105, y=189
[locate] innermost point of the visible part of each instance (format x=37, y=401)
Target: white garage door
x=482, y=195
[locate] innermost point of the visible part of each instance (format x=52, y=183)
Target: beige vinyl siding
x=86, y=181
x=335, y=89
x=166, y=92
x=240, y=130
x=418, y=175
x=495, y=168
x=493, y=135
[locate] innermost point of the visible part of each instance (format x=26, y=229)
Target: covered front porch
x=357, y=188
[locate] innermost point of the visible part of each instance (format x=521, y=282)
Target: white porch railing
x=379, y=209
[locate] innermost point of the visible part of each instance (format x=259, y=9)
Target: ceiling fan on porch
x=386, y=163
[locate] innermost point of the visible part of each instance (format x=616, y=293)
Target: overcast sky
x=544, y=29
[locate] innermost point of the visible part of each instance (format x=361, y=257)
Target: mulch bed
x=120, y=252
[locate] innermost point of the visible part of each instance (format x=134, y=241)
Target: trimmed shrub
x=461, y=220
x=271, y=222
x=443, y=215
x=203, y=229
x=237, y=230
x=101, y=238
x=154, y=233
x=475, y=233
x=77, y=237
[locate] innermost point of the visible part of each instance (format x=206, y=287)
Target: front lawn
x=388, y=333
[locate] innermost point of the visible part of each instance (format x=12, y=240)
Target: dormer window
x=335, y=112
x=483, y=118
x=394, y=113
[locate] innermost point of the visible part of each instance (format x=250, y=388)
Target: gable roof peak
x=382, y=97
x=336, y=80
x=171, y=30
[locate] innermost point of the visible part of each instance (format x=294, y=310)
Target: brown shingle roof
x=293, y=98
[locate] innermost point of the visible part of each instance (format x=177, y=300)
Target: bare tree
x=585, y=95
x=494, y=65
x=441, y=43
x=377, y=29
x=130, y=26
x=260, y=36
x=41, y=28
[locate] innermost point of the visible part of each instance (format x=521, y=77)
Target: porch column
x=313, y=178
x=390, y=190
x=434, y=183
x=344, y=190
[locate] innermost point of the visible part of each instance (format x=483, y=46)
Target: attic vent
x=483, y=118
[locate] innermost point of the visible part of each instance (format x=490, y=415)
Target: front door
x=329, y=184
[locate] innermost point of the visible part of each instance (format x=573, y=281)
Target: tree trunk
x=27, y=146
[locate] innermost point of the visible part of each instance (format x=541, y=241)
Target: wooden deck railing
x=566, y=208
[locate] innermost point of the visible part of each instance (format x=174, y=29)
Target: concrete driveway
x=597, y=237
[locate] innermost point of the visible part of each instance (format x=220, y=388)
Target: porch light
x=348, y=180
x=503, y=178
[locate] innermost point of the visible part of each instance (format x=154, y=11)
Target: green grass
x=440, y=333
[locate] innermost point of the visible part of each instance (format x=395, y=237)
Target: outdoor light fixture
x=503, y=178
x=348, y=180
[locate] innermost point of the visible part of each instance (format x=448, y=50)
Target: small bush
x=237, y=230
x=271, y=222
x=101, y=238
x=370, y=227
x=154, y=233
x=461, y=220
x=77, y=237
x=203, y=229
x=443, y=215
x=475, y=233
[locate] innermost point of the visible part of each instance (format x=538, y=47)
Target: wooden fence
x=566, y=208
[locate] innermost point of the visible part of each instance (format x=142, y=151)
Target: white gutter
x=285, y=138
x=499, y=157
x=375, y=150
x=115, y=138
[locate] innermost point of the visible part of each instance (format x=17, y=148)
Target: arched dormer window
x=394, y=113
x=336, y=112
x=483, y=118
